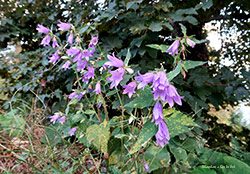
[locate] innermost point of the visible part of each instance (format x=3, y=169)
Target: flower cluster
x=56, y=117
x=175, y=46
x=165, y=92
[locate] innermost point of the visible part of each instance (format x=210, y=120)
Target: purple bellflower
x=97, y=88
x=129, y=89
x=113, y=61
x=91, y=47
x=81, y=65
x=162, y=136
x=73, y=51
x=144, y=79
x=157, y=113
x=46, y=40
x=72, y=95
x=70, y=38
x=116, y=78
x=190, y=42
x=159, y=84
x=62, y=119
x=172, y=96
x=66, y=65
x=89, y=74
x=54, y=118
x=72, y=131
x=79, y=97
x=86, y=54
x=42, y=29
x=54, y=57
x=63, y=26
x=174, y=47
x=146, y=167
x=54, y=43
x=94, y=40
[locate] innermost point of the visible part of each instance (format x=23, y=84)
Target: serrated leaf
x=157, y=157
x=99, y=135
x=175, y=72
x=189, y=64
x=178, y=123
x=145, y=99
x=148, y=131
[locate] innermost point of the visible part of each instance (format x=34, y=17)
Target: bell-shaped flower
x=94, y=40
x=113, y=61
x=70, y=38
x=62, y=119
x=54, y=118
x=66, y=65
x=174, y=47
x=81, y=65
x=129, y=89
x=159, y=84
x=54, y=43
x=86, y=54
x=72, y=95
x=53, y=59
x=157, y=113
x=89, y=74
x=73, y=51
x=63, y=26
x=162, y=136
x=97, y=88
x=46, y=40
x=42, y=29
x=190, y=42
x=116, y=78
x=144, y=79
x=146, y=167
x=72, y=131
x=172, y=96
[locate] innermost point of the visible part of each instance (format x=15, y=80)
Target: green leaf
x=233, y=165
x=128, y=56
x=148, y=131
x=155, y=26
x=206, y=4
x=179, y=153
x=89, y=112
x=183, y=29
x=99, y=135
x=111, y=93
x=161, y=47
x=178, y=122
x=175, y=72
x=144, y=100
x=157, y=157
x=189, y=64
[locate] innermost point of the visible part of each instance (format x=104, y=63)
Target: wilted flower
x=157, y=113
x=73, y=51
x=62, y=119
x=129, y=89
x=81, y=65
x=146, y=167
x=162, y=136
x=94, y=40
x=89, y=74
x=70, y=38
x=113, y=61
x=174, y=47
x=46, y=40
x=72, y=131
x=66, y=65
x=54, y=57
x=63, y=26
x=42, y=29
x=55, y=44
x=54, y=118
x=98, y=88
x=144, y=79
x=116, y=77
x=190, y=42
